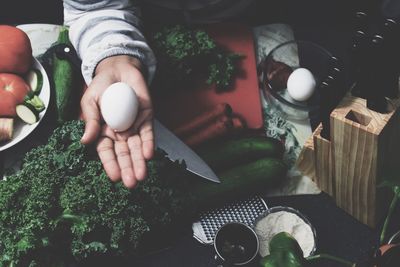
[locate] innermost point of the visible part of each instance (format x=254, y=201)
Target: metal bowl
x=235, y=235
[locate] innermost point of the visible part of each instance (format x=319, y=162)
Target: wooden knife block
x=349, y=166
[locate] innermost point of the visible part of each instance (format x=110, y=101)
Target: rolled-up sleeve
x=102, y=28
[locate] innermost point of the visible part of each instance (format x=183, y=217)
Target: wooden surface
x=323, y=163
x=177, y=108
x=359, y=148
x=350, y=167
x=306, y=161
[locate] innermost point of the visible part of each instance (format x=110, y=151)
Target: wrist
x=118, y=64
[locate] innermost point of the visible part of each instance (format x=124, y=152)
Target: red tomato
x=7, y=104
x=15, y=85
x=15, y=50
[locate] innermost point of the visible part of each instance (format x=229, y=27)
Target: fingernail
x=130, y=182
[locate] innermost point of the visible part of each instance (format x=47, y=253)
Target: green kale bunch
x=62, y=205
x=186, y=56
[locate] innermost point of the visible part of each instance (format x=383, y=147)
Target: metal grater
x=245, y=211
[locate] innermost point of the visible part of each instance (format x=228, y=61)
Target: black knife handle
x=360, y=56
x=375, y=95
x=325, y=109
x=390, y=31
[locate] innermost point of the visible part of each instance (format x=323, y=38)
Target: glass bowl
x=277, y=66
x=302, y=217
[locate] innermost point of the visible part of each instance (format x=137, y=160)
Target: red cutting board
x=244, y=97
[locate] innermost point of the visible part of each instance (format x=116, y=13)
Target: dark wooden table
x=322, y=21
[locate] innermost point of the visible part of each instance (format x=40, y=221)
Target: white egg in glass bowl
x=301, y=84
x=291, y=74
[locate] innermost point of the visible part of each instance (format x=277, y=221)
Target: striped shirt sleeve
x=104, y=28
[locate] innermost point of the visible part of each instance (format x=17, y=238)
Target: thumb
x=91, y=116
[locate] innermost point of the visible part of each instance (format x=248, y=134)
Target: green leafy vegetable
x=61, y=204
x=285, y=251
x=187, y=55
x=391, y=180
x=35, y=101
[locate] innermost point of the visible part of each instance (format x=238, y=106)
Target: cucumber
x=66, y=80
x=34, y=78
x=241, y=181
x=238, y=151
x=27, y=113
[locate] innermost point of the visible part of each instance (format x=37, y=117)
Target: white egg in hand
x=301, y=84
x=119, y=106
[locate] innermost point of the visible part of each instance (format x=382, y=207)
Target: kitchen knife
x=177, y=150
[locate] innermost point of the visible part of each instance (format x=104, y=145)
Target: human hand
x=123, y=154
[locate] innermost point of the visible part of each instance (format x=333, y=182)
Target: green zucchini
x=66, y=81
x=241, y=181
x=35, y=102
x=27, y=113
x=238, y=151
x=35, y=80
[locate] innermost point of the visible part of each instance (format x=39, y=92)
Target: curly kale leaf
x=188, y=55
x=102, y=217
x=29, y=209
x=61, y=204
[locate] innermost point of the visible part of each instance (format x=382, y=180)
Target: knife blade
x=177, y=150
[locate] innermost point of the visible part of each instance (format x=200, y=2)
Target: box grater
x=244, y=211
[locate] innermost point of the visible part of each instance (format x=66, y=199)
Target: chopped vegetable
x=6, y=129
x=34, y=79
x=35, y=102
x=27, y=113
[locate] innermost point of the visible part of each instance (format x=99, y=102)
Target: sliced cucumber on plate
x=34, y=101
x=34, y=78
x=27, y=113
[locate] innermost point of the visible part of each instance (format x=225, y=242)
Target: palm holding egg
x=123, y=151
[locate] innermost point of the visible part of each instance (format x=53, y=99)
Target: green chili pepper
x=284, y=252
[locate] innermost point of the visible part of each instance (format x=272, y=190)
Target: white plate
x=21, y=129
x=42, y=36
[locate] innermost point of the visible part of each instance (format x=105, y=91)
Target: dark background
x=325, y=22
